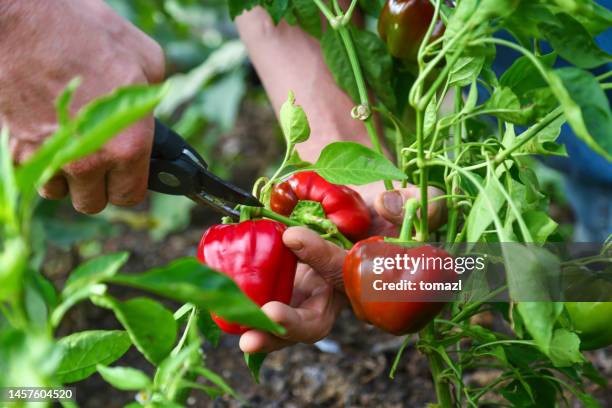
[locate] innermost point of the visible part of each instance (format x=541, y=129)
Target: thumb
x=324, y=257
x=390, y=204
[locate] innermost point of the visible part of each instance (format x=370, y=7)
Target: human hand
x=317, y=295
x=388, y=207
x=46, y=44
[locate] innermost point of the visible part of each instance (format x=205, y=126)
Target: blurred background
x=218, y=104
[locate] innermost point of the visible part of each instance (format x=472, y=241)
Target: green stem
x=422, y=165
x=604, y=76
x=528, y=135
x=398, y=356
x=364, y=99
x=268, y=185
x=473, y=307
x=325, y=10
x=349, y=13
x=453, y=216
x=436, y=366
x=410, y=209
x=422, y=102
x=264, y=212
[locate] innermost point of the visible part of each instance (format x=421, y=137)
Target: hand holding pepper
x=317, y=295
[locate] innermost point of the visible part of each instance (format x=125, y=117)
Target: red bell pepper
x=396, y=317
x=342, y=205
x=252, y=253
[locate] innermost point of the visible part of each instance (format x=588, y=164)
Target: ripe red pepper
x=396, y=317
x=403, y=24
x=252, y=253
x=342, y=205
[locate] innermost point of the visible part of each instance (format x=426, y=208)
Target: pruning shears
x=177, y=169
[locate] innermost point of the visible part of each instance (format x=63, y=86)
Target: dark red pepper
x=403, y=24
x=342, y=205
x=252, y=253
x=394, y=315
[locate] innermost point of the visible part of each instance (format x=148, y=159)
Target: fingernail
x=393, y=202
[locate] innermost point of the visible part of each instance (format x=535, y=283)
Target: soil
x=349, y=369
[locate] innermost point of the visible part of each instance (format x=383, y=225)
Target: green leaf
x=254, y=362
x=539, y=319
x=594, y=105
x=430, y=117
x=544, y=142
x=532, y=273
x=74, y=297
x=377, y=65
x=209, y=328
x=276, y=8
x=596, y=18
x=307, y=16
x=154, y=341
x=83, y=351
x=488, y=202
x=465, y=71
x=573, y=42
x=93, y=126
x=236, y=7
x=8, y=184
x=188, y=281
x=184, y=87
x=338, y=63
x=353, y=163
x=124, y=378
x=523, y=77
x=585, y=106
x=565, y=349
x=218, y=381
x=506, y=106
x=94, y=271
x=293, y=121
x=170, y=213
x=540, y=225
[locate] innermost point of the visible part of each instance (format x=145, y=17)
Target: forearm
x=286, y=58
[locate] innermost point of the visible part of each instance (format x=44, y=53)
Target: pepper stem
x=336, y=236
x=410, y=208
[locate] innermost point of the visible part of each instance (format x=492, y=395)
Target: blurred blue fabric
x=588, y=176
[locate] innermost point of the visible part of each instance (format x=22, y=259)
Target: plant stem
x=364, y=100
x=410, y=209
x=453, y=215
x=325, y=10
x=264, y=212
x=349, y=13
x=421, y=164
x=436, y=366
x=528, y=135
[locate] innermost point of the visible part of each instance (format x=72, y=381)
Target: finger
x=390, y=204
x=130, y=153
x=311, y=321
x=87, y=186
x=55, y=189
x=255, y=341
x=324, y=257
x=154, y=65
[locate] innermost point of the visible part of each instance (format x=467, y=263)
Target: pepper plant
x=478, y=152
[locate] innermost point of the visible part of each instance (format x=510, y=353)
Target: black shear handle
x=175, y=166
